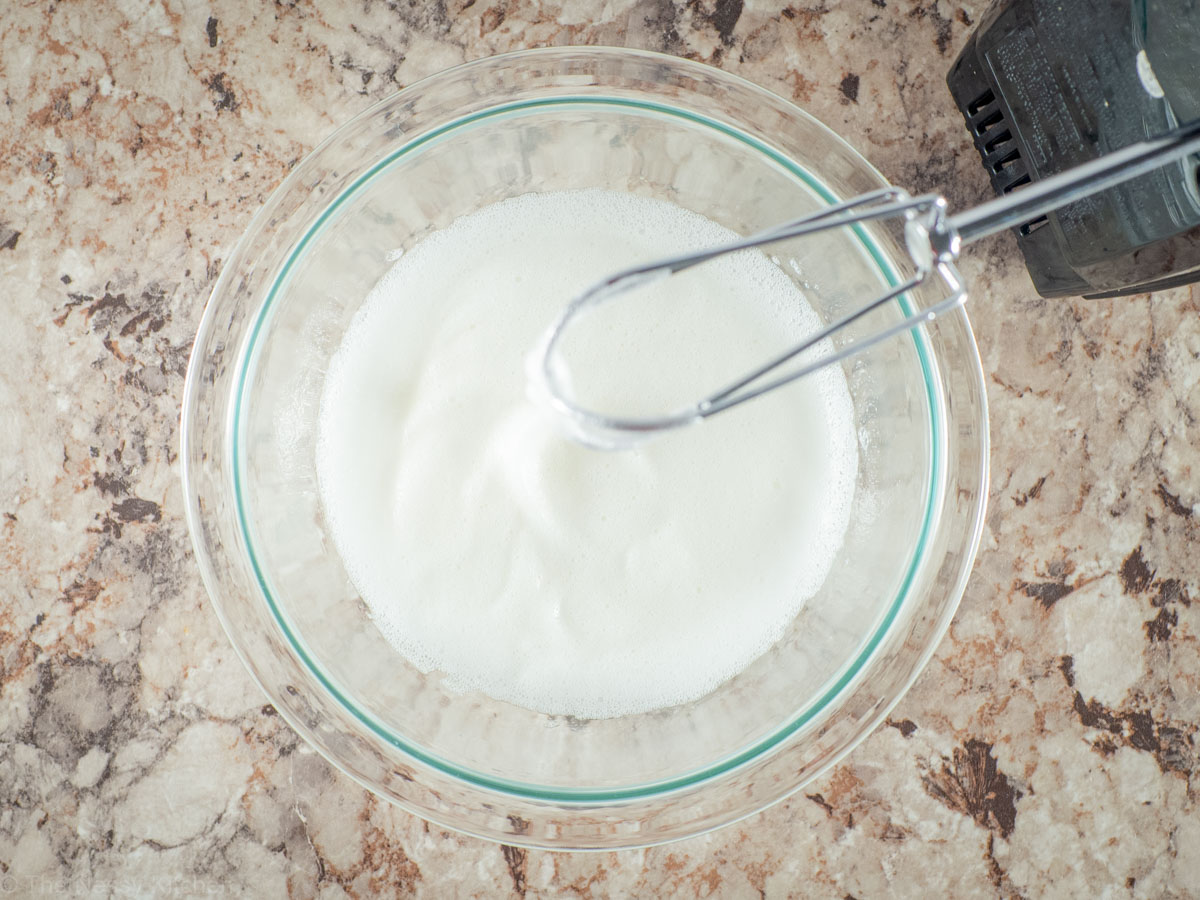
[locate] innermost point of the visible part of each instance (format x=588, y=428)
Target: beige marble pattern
x=1049, y=750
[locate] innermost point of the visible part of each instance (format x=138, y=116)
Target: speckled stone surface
x=1050, y=748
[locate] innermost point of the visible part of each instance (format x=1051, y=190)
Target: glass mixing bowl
x=544, y=120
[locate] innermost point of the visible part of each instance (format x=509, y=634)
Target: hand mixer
x=934, y=239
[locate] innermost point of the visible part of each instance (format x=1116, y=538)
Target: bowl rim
x=815, y=706
x=244, y=362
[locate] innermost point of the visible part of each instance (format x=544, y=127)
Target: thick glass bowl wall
x=550, y=120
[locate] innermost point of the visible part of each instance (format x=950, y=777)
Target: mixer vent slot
x=993, y=143
x=1030, y=227
x=984, y=99
x=994, y=140
x=1016, y=183
x=990, y=121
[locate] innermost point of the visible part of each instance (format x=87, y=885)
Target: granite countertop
x=1049, y=749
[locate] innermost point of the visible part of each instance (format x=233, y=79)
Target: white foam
x=560, y=578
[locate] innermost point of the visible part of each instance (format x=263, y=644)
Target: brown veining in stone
x=514, y=858
x=1136, y=575
x=969, y=782
x=1173, y=746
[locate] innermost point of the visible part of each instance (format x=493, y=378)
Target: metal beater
x=933, y=237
